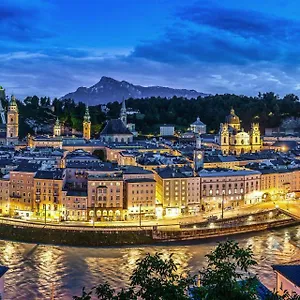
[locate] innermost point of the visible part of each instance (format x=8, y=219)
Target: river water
x=36, y=272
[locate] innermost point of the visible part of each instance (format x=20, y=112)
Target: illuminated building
x=234, y=187
x=166, y=130
x=177, y=190
x=87, y=124
x=48, y=192
x=21, y=189
x=116, y=130
x=12, y=127
x=57, y=128
x=105, y=197
x=74, y=205
x=234, y=140
x=198, y=127
x=140, y=197
x=4, y=195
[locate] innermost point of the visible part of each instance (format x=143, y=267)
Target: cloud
x=20, y=21
x=211, y=48
x=215, y=34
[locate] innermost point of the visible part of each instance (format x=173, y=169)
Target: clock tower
x=198, y=154
x=87, y=124
x=12, y=126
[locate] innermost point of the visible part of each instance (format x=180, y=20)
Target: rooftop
x=115, y=126
x=137, y=180
x=56, y=174
x=289, y=271
x=3, y=270
x=198, y=122
x=213, y=172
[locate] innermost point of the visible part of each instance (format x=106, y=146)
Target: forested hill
x=267, y=109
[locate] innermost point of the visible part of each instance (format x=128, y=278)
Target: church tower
x=87, y=124
x=123, y=113
x=224, y=138
x=255, y=140
x=12, y=127
x=198, y=154
x=57, y=128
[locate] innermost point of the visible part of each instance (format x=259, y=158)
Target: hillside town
x=121, y=177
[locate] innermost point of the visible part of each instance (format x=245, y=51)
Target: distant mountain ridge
x=109, y=90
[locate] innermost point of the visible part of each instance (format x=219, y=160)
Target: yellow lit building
x=140, y=198
x=234, y=140
x=21, y=189
x=177, y=191
x=48, y=193
x=4, y=196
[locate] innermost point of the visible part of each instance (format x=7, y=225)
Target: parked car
x=212, y=218
x=228, y=208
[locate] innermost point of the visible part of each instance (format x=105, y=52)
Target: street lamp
x=140, y=216
x=223, y=196
x=94, y=215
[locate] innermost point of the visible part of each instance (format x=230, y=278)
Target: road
x=291, y=206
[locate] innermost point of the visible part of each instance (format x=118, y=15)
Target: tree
x=227, y=274
x=100, y=153
x=154, y=278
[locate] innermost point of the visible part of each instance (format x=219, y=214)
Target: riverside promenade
x=88, y=236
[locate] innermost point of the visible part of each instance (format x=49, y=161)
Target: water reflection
x=38, y=271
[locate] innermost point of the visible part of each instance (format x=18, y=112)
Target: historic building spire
x=233, y=139
x=57, y=128
x=12, y=127
x=123, y=113
x=87, y=124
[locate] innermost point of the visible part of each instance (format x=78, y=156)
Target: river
x=37, y=271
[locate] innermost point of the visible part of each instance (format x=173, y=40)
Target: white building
x=167, y=130
x=198, y=126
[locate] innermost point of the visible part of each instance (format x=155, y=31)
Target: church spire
x=123, y=113
x=87, y=117
x=123, y=105
x=87, y=124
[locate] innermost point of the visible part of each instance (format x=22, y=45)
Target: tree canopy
x=227, y=276
x=268, y=109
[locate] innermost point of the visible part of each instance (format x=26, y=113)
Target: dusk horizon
x=50, y=48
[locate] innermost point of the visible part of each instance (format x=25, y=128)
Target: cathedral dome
x=232, y=118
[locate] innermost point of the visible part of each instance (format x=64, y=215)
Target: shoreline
x=17, y=232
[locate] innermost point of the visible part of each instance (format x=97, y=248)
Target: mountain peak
x=109, y=89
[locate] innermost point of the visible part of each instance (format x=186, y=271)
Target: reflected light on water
x=32, y=271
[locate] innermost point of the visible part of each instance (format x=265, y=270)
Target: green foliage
x=285, y=296
x=100, y=154
x=267, y=109
x=153, y=279
x=227, y=274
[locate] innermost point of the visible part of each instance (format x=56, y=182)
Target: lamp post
x=94, y=215
x=223, y=196
x=45, y=214
x=140, y=216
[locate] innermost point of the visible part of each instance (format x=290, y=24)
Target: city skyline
x=52, y=47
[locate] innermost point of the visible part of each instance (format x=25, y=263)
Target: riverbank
x=97, y=237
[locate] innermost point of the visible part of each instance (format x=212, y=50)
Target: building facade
x=12, y=127
x=87, y=124
x=167, y=130
x=57, y=128
x=232, y=139
x=198, y=127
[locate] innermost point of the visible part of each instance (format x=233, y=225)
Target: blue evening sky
x=51, y=47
